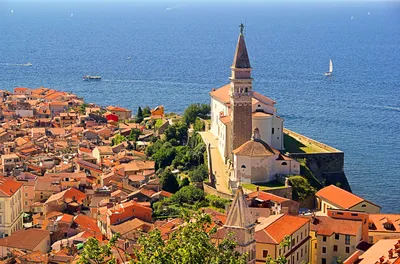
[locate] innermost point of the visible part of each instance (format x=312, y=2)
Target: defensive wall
x=326, y=164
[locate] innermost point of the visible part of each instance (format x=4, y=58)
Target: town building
x=122, y=113
x=337, y=198
x=11, y=207
x=337, y=235
x=271, y=233
x=383, y=226
x=27, y=241
x=385, y=251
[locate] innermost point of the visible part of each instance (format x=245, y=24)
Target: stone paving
x=219, y=168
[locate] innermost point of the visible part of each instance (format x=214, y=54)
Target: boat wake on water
x=17, y=64
x=156, y=82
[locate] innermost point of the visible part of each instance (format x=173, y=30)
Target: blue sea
x=180, y=50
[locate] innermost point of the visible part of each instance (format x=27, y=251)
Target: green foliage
x=146, y=111
x=118, y=139
x=139, y=115
x=199, y=174
x=185, y=182
x=301, y=187
x=191, y=243
x=199, y=125
x=134, y=135
x=177, y=131
x=93, y=252
x=188, y=194
x=168, y=181
x=307, y=173
x=196, y=110
x=82, y=108
x=158, y=123
x=217, y=202
x=164, y=155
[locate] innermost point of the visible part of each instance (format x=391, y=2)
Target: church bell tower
x=240, y=94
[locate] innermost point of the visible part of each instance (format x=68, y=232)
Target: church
x=249, y=131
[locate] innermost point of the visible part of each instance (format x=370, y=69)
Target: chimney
x=391, y=253
x=382, y=259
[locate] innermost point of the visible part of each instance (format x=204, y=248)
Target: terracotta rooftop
x=8, y=186
x=264, y=196
x=339, y=197
x=377, y=222
x=325, y=225
x=25, y=239
x=255, y=148
x=280, y=226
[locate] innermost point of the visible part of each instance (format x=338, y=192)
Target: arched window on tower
x=284, y=163
x=246, y=90
x=243, y=167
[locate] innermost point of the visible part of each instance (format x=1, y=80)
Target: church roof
x=255, y=148
x=241, y=59
x=238, y=215
x=222, y=94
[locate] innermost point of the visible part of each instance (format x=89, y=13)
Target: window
x=347, y=249
x=265, y=253
x=293, y=242
x=347, y=240
x=26, y=194
x=284, y=163
x=301, y=236
x=324, y=238
x=335, y=248
x=26, y=203
x=243, y=166
x=323, y=249
x=280, y=251
x=339, y=213
x=323, y=260
x=305, y=249
x=301, y=255
x=364, y=205
x=315, y=246
x=297, y=239
x=354, y=214
x=297, y=255
x=337, y=236
x=273, y=130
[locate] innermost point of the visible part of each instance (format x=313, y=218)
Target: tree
x=95, y=253
x=196, y=110
x=146, y=111
x=168, y=181
x=178, y=131
x=185, y=182
x=188, y=194
x=199, y=174
x=198, y=125
x=164, y=155
x=190, y=243
x=134, y=135
x=139, y=115
x=118, y=139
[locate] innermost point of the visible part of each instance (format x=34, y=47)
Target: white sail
x=330, y=66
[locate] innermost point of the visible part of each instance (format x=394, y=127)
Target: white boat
x=329, y=73
x=28, y=64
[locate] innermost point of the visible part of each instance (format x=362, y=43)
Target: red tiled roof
x=339, y=197
x=325, y=225
x=25, y=239
x=277, y=230
x=8, y=186
x=267, y=196
x=255, y=148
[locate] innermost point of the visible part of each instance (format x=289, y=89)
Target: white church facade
x=249, y=131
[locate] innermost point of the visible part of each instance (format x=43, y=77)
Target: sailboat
x=329, y=73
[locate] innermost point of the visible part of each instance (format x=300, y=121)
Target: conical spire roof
x=238, y=215
x=241, y=59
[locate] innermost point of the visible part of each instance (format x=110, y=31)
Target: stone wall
x=326, y=166
x=208, y=189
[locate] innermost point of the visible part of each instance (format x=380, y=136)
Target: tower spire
x=241, y=59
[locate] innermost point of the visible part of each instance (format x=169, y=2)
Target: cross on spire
x=241, y=28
